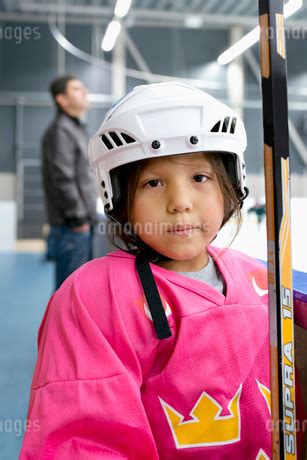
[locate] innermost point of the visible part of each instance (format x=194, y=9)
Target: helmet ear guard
x=117, y=181
x=233, y=171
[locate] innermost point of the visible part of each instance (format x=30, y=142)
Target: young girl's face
x=178, y=209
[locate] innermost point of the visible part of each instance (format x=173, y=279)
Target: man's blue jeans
x=68, y=249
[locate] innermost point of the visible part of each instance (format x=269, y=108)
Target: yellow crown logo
x=266, y=393
x=262, y=455
x=207, y=427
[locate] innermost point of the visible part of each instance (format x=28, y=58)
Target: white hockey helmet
x=163, y=119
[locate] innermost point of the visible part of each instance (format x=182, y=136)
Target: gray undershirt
x=210, y=275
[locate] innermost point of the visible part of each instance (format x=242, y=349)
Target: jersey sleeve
x=85, y=400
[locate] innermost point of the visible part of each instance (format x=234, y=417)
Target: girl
x=160, y=350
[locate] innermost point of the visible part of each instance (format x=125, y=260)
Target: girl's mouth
x=183, y=230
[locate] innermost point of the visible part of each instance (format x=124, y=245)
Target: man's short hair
x=59, y=85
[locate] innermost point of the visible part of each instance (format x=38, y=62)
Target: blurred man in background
x=68, y=183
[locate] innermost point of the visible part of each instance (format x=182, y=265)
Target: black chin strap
x=245, y=195
x=152, y=296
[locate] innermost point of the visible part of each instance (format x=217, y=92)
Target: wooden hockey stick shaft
x=276, y=160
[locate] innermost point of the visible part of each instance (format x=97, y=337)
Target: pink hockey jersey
x=105, y=387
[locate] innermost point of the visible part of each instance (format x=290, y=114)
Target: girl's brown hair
x=125, y=180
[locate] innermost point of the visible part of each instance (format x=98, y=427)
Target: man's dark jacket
x=68, y=182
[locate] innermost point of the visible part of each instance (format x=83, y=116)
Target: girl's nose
x=179, y=200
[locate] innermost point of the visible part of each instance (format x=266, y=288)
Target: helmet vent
x=112, y=139
x=115, y=138
x=216, y=127
x=225, y=126
x=128, y=139
x=233, y=125
x=107, y=142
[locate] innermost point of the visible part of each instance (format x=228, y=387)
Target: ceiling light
x=110, y=37
x=252, y=37
x=240, y=46
x=122, y=8
x=193, y=21
x=292, y=7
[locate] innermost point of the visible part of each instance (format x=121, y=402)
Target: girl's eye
x=152, y=183
x=200, y=178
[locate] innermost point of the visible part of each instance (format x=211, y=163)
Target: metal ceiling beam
x=225, y=7
x=160, y=4
x=43, y=18
x=41, y=99
x=138, y=17
x=195, y=5
x=145, y=3
x=152, y=14
x=240, y=7
x=33, y=12
x=67, y=8
x=208, y=5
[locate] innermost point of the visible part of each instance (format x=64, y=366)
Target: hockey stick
x=276, y=165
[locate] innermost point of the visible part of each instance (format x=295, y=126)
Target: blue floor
x=26, y=282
